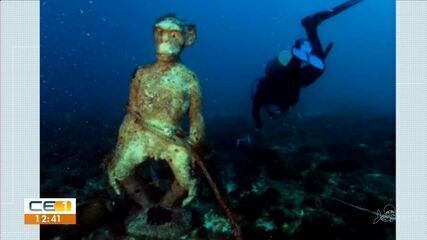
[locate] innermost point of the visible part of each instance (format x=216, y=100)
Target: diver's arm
x=256, y=112
x=257, y=102
x=197, y=124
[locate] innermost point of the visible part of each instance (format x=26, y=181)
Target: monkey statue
x=161, y=94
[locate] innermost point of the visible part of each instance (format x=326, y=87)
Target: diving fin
x=317, y=18
x=328, y=49
x=344, y=6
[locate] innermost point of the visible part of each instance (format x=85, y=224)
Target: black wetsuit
x=281, y=85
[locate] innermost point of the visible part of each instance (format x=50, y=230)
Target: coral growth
x=283, y=191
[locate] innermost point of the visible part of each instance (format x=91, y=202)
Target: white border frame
x=411, y=142
x=19, y=116
x=19, y=162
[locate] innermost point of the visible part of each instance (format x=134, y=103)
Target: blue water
x=90, y=48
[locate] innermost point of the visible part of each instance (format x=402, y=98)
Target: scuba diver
x=290, y=71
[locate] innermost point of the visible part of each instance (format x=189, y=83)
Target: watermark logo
x=388, y=215
x=50, y=211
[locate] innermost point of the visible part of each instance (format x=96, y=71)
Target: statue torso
x=164, y=95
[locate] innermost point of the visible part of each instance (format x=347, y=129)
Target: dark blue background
x=90, y=49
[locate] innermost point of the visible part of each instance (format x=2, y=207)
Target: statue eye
x=175, y=34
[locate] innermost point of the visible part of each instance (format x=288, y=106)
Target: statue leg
x=125, y=160
x=136, y=191
x=173, y=195
x=184, y=183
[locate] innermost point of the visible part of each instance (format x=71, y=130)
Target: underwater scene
x=219, y=120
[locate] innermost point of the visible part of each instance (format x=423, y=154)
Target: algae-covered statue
x=161, y=96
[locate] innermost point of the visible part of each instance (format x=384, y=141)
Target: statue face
x=172, y=36
x=169, y=41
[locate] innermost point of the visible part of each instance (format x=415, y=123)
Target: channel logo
x=51, y=211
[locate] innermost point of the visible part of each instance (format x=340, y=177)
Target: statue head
x=172, y=35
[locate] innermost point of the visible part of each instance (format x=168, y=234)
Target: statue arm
x=133, y=104
x=197, y=125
